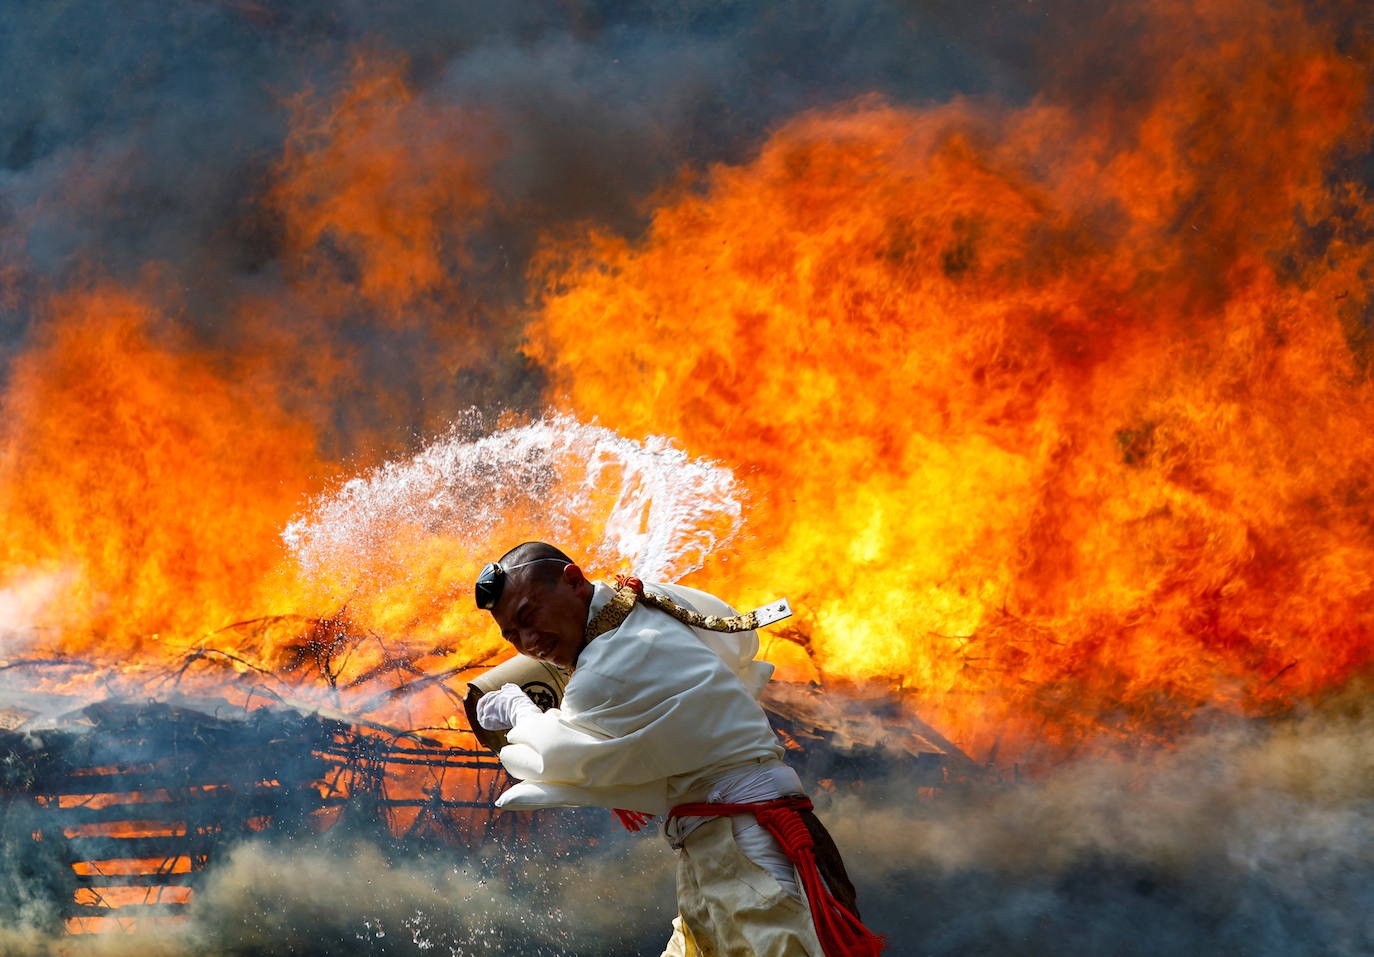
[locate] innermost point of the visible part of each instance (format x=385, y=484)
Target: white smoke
x=25, y=604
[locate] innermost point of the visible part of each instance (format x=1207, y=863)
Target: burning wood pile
x=120, y=807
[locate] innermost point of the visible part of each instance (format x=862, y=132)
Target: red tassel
x=626, y=581
x=632, y=820
x=841, y=933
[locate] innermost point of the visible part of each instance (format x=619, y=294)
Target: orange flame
x=1065, y=429
x=1056, y=418
x=384, y=180
x=146, y=475
x=137, y=472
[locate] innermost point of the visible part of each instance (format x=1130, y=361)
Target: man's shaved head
x=545, y=555
x=542, y=608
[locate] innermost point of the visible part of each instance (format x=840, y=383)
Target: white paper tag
x=771, y=612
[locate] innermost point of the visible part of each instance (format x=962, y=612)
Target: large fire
x=1053, y=420
x=1058, y=420
x=144, y=479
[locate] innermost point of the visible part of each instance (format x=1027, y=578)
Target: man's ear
x=573, y=575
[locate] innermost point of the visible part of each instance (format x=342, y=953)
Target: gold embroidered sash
x=612, y=614
x=631, y=592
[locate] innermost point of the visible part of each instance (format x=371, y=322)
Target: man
x=656, y=716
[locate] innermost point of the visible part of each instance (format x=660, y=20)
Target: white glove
x=499, y=710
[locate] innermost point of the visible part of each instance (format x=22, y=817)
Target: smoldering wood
x=835, y=737
x=162, y=790
x=161, y=847
x=196, y=809
x=165, y=878
x=159, y=909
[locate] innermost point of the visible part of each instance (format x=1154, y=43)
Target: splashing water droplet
x=649, y=505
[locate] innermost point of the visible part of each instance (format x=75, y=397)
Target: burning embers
x=117, y=810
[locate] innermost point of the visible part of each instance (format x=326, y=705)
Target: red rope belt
x=841, y=933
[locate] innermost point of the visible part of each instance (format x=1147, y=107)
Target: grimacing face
x=545, y=619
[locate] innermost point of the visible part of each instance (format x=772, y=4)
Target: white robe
x=653, y=715
x=653, y=711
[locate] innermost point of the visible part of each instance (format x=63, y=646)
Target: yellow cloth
x=731, y=907
x=680, y=944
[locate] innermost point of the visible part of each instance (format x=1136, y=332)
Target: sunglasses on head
x=493, y=578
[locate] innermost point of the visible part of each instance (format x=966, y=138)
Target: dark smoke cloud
x=141, y=133
x=600, y=117
x=166, y=114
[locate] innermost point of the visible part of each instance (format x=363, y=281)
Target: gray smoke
x=137, y=132
x=138, y=135
x=347, y=896
x=1250, y=839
